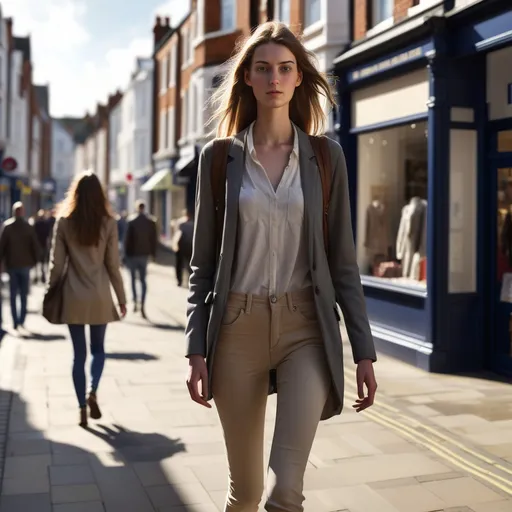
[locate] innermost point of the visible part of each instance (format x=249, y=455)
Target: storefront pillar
x=445, y=349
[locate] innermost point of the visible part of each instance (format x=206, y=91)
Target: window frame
x=227, y=6
x=308, y=4
x=377, y=17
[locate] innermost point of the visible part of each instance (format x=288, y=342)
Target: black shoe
x=135, y=308
x=143, y=313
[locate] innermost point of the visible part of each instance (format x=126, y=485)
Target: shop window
x=392, y=204
x=312, y=11
x=381, y=11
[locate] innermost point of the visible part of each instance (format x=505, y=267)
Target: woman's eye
x=260, y=68
x=286, y=69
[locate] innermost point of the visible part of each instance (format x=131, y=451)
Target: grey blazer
x=336, y=281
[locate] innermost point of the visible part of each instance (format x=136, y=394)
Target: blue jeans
x=138, y=264
x=97, y=333
x=19, y=279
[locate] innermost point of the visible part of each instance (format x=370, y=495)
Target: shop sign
x=9, y=164
x=405, y=56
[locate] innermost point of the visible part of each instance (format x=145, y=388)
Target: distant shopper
x=19, y=250
x=84, y=261
x=140, y=243
x=42, y=228
x=182, y=244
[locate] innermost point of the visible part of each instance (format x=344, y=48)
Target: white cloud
x=59, y=51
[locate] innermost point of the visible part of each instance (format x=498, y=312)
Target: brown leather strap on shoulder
x=220, y=153
x=323, y=157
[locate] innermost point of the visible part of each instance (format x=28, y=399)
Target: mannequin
x=412, y=236
x=377, y=240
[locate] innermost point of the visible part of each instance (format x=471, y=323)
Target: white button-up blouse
x=271, y=250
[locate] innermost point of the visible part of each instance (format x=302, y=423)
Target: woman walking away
x=273, y=255
x=84, y=260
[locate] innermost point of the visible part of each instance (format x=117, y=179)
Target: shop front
x=426, y=124
x=485, y=37
x=166, y=197
x=185, y=174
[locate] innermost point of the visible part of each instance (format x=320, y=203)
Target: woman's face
x=273, y=75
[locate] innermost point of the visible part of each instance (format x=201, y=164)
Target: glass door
x=501, y=355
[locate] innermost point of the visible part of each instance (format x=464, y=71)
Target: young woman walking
x=266, y=301
x=85, y=256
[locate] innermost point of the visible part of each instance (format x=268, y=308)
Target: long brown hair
x=235, y=104
x=86, y=207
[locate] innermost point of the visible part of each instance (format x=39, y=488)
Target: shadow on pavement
x=131, y=356
x=37, y=463
x=133, y=446
x=157, y=325
x=42, y=337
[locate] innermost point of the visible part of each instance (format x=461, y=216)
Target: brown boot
x=92, y=402
x=83, y=417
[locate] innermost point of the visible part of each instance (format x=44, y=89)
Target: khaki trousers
x=259, y=334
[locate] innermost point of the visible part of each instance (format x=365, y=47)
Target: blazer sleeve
x=58, y=253
x=113, y=264
x=203, y=261
x=343, y=264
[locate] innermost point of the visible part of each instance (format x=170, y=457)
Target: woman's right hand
x=198, y=376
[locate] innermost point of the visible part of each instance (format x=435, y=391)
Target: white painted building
x=17, y=128
x=4, y=75
x=130, y=131
x=62, y=159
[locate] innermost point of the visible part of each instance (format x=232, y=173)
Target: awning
x=161, y=180
x=184, y=162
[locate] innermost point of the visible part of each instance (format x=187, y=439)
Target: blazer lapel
x=234, y=175
x=308, y=175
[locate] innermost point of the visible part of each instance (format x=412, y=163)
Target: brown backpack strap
x=323, y=157
x=218, y=183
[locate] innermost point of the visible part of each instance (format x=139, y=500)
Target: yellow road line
x=441, y=451
x=435, y=432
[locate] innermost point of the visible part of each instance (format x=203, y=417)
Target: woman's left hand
x=365, y=375
x=122, y=307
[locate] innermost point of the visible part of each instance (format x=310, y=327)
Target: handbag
x=53, y=300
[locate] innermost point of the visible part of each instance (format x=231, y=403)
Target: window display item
x=377, y=240
x=411, y=238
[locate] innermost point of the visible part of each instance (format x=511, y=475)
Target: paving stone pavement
x=155, y=450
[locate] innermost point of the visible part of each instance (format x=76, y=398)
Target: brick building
x=425, y=119
x=189, y=58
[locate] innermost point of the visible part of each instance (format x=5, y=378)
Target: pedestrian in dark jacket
x=139, y=244
x=19, y=250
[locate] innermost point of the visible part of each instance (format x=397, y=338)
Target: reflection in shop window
x=392, y=204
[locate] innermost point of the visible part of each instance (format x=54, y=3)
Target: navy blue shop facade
x=425, y=120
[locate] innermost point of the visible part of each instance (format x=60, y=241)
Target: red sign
x=9, y=164
x=129, y=177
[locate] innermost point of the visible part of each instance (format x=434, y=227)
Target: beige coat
x=86, y=290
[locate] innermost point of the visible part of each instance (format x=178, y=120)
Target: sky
x=86, y=49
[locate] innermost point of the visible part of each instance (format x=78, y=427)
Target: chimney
x=160, y=29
